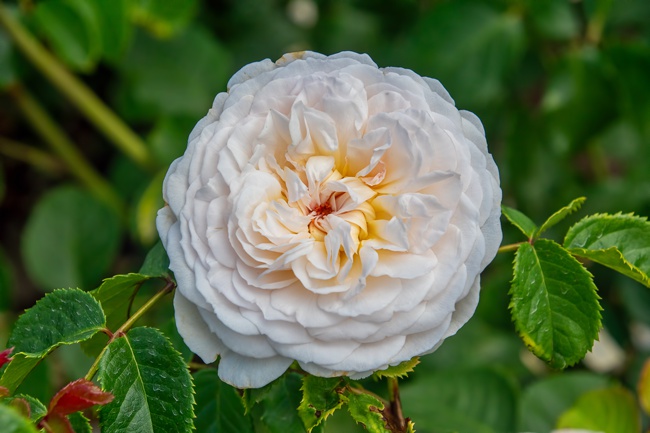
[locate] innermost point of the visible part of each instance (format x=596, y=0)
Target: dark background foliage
x=562, y=87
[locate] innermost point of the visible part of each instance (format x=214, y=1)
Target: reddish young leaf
x=56, y=423
x=22, y=406
x=3, y=391
x=4, y=356
x=76, y=396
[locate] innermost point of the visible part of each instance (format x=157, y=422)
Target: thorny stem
x=169, y=287
x=77, y=92
x=508, y=248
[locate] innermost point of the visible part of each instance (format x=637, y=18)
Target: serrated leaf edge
x=400, y=370
x=74, y=341
x=528, y=341
x=562, y=213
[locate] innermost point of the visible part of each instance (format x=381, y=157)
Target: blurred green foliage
x=562, y=87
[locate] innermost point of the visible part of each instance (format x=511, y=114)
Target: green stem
x=76, y=91
x=129, y=323
x=508, y=248
x=41, y=160
x=57, y=139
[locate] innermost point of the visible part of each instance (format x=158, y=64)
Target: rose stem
x=508, y=248
x=86, y=101
x=396, y=404
x=57, y=139
x=169, y=287
x=42, y=160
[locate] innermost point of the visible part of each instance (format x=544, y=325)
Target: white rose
x=329, y=212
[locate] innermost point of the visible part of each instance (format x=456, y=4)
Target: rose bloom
x=329, y=212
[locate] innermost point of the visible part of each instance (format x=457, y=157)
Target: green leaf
x=70, y=239
x=115, y=30
x=36, y=408
x=401, y=370
x=553, y=19
x=554, y=303
x=115, y=296
x=319, y=399
x=478, y=400
x=544, y=401
x=219, y=408
x=17, y=370
x=63, y=316
x=168, y=138
x=71, y=27
x=156, y=263
x=519, y=220
x=620, y=242
x=163, y=17
x=79, y=423
x=482, y=48
x=150, y=382
x=366, y=409
x=560, y=215
x=611, y=410
x=12, y=422
x=148, y=69
x=274, y=408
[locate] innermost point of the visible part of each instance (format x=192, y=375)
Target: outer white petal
x=244, y=372
x=195, y=331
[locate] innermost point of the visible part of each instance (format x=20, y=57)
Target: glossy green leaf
x=611, y=410
x=544, y=401
x=116, y=293
x=150, y=382
x=64, y=316
x=70, y=239
x=156, y=262
x=479, y=400
x=560, y=215
x=12, y=422
x=366, y=409
x=554, y=303
x=163, y=17
x=274, y=407
x=37, y=410
x=620, y=242
x=17, y=370
x=219, y=408
x=71, y=27
x=319, y=399
x=519, y=220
